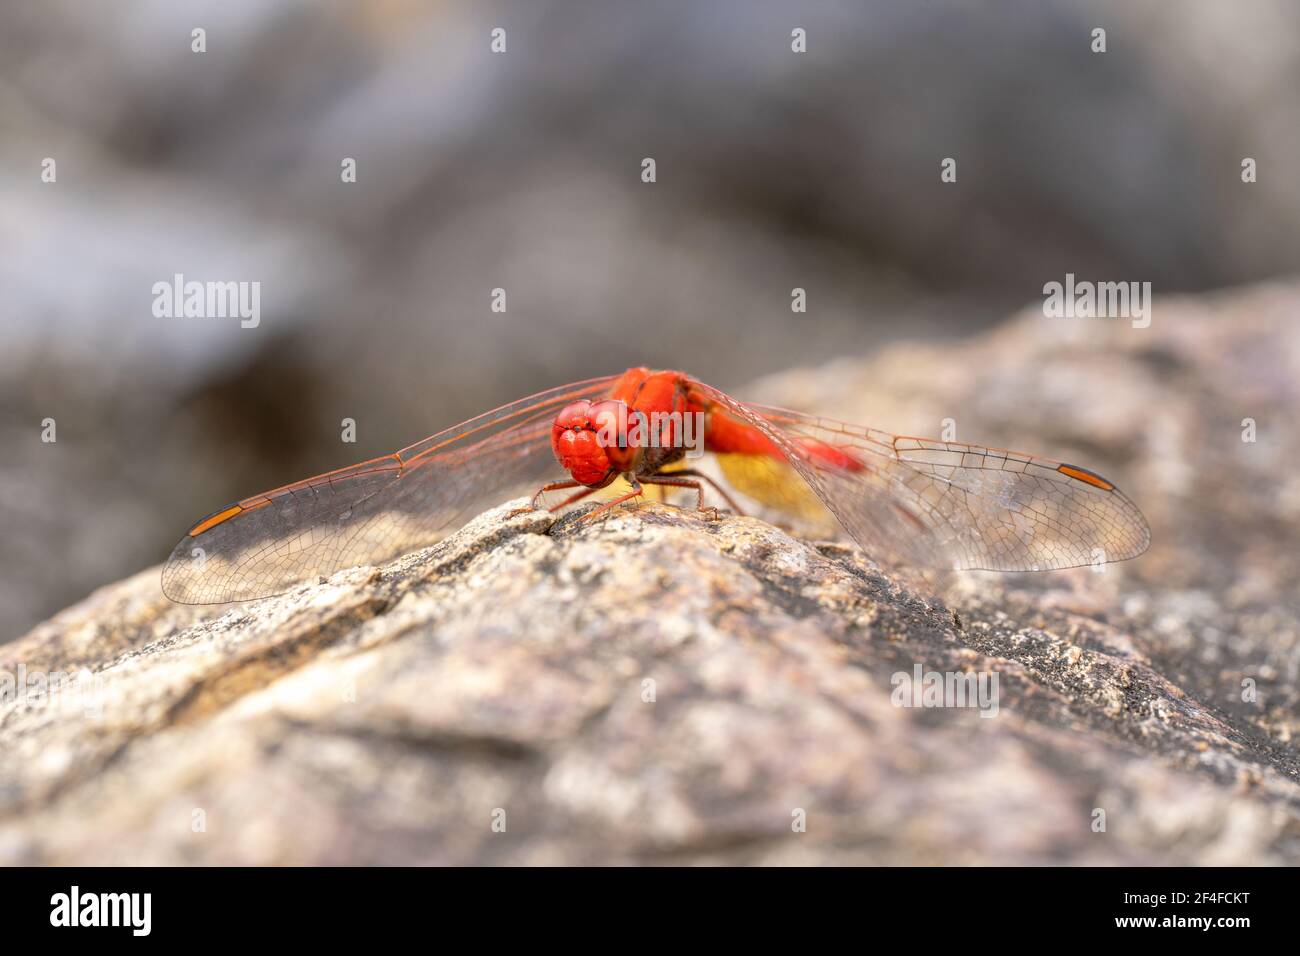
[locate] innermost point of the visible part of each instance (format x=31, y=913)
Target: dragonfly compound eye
x=577, y=446
x=620, y=432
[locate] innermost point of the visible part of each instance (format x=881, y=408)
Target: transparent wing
x=371, y=511
x=938, y=504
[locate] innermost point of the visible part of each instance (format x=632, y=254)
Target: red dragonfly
x=929, y=504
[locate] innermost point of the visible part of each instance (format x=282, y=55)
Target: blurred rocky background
x=522, y=171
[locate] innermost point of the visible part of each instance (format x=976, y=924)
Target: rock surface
x=662, y=686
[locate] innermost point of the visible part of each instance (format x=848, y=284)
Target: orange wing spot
x=209, y=523
x=1086, y=476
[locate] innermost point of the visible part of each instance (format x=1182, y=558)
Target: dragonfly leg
x=636, y=492
x=576, y=496
x=552, y=486
x=692, y=473
x=675, y=482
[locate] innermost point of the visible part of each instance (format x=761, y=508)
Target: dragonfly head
x=591, y=441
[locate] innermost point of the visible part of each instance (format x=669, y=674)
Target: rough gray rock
x=660, y=686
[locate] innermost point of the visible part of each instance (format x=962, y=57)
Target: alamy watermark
x=208, y=300
x=75, y=908
x=33, y=689
x=1084, y=299
x=637, y=429
x=974, y=689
